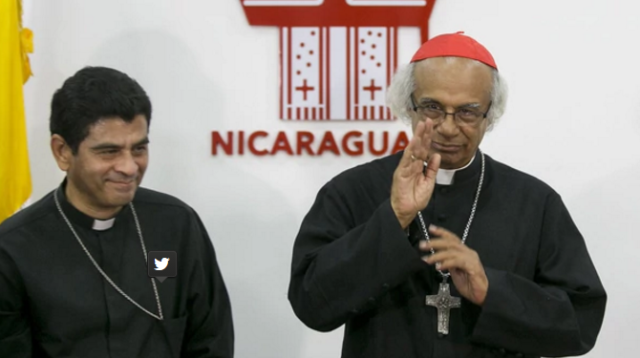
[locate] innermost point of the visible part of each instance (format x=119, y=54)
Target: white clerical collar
x=102, y=225
x=445, y=176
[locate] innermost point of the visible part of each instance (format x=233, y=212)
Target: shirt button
x=442, y=218
x=355, y=311
x=444, y=190
x=372, y=300
x=385, y=286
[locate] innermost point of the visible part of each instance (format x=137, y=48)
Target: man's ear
x=61, y=152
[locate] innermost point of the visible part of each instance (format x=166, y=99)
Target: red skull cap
x=456, y=45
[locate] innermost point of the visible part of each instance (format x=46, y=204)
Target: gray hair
x=403, y=84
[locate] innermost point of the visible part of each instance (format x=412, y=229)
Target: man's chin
x=450, y=161
x=121, y=198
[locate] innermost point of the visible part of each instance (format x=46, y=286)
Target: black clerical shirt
x=354, y=265
x=54, y=302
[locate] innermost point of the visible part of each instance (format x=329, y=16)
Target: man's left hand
x=467, y=272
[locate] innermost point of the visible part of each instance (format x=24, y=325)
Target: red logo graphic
x=337, y=56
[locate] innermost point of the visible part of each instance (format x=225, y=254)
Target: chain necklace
x=159, y=316
x=445, y=275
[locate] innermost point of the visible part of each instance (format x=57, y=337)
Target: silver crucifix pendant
x=443, y=301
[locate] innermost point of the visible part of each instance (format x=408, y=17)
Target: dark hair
x=95, y=93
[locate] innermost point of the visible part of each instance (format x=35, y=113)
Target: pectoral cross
x=444, y=302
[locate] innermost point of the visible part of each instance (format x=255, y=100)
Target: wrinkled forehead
x=452, y=75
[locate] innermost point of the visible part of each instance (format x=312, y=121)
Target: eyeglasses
x=462, y=117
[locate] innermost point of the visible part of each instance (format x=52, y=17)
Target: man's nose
x=127, y=165
x=448, y=127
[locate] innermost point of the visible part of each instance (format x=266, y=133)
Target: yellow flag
x=15, y=42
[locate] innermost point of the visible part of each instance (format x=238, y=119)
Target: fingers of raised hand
x=412, y=159
x=421, y=141
x=432, y=168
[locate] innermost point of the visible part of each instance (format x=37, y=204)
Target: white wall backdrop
x=573, y=120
